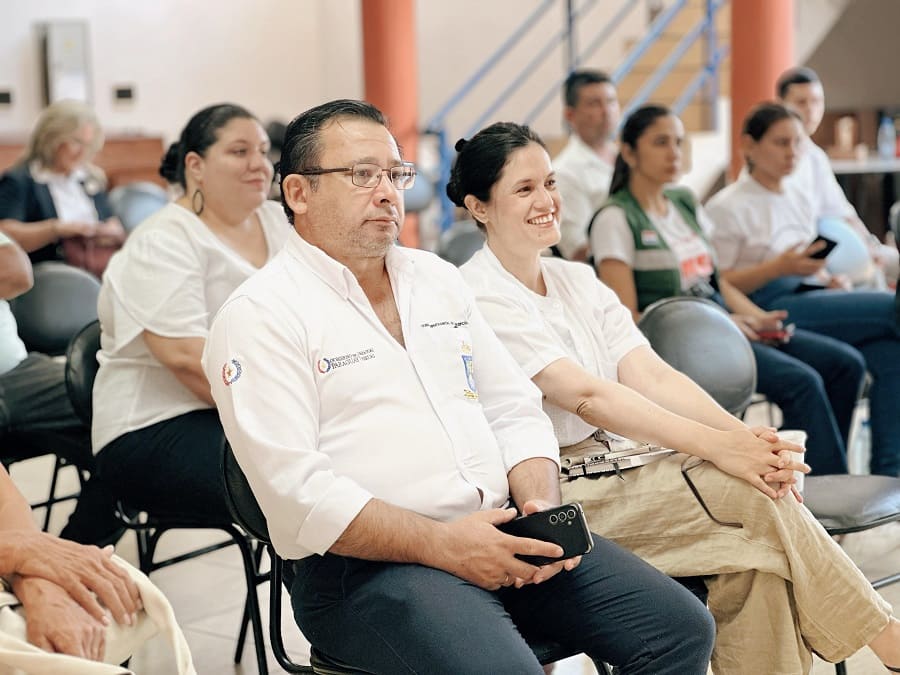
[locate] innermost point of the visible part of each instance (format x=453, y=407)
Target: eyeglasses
x=692, y=463
x=403, y=176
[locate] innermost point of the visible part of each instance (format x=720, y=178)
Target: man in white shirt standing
x=385, y=432
x=584, y=167
x=801, y=90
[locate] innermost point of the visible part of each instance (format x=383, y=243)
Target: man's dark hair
x=578, y=79
x=795, y=76
x=301, y=150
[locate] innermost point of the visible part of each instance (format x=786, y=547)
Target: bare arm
x=695, y=425
x=796, y=261
x=80, y=571
x=471, y=548
x=182, y=357
x=619, y=276
x=32, y=236
x=15, y=271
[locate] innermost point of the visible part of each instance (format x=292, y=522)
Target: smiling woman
x=155, y=423
x=764, y=560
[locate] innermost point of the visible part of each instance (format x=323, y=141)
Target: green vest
x=656, y=270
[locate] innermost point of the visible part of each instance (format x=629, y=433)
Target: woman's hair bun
x=171, y=163
x=460, y=144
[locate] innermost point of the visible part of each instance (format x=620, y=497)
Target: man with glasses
x=384, y=430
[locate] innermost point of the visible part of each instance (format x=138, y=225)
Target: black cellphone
x=563, y=525
x=829, y=247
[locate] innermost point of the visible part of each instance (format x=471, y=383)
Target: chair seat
x=845, y=504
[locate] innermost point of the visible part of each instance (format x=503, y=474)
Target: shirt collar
x=336, y=274
x=42, y=174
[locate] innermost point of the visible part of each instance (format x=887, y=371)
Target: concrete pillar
x=762, y=47
x=392, y=77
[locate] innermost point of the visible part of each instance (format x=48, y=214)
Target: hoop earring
x=197, y=209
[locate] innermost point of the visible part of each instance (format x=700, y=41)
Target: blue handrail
x=709, y=71
x=526, y=71
x=663, y=70
x=706, y=27
x=594, y=45
x=438, y=118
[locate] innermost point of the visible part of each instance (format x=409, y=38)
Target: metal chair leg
x=251, y=576
x=245, y=618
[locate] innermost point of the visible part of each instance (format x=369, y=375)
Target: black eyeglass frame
x=352, y=171
x=689, y=463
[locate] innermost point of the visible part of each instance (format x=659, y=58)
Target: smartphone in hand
x=829, y=247
x=563, y=525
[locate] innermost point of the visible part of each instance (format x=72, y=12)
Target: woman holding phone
x=764, y=240
x=650, y=241
x=770, y=563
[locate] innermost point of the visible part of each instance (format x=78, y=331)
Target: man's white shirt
x=582, y=178
x=326, y=410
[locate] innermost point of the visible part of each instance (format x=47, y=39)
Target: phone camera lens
x=571, y=513
x=563, y=517
x=553, y=519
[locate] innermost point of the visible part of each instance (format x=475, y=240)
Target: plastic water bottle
x=887, y=138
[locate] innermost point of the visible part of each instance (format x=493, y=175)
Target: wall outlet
x=123, y=93
x=5, y=97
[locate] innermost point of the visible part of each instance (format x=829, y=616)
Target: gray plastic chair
x=134, y=202
x=697, y=337
x=62, y=301
x=460, y=242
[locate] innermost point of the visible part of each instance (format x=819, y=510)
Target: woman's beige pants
x=781, y=585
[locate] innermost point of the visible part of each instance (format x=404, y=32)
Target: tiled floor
x=207, y=594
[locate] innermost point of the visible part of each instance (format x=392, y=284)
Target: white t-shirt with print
x=611, y=238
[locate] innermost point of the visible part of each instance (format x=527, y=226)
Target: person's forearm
x=385, y=532
x=195, y=381
x=626, y=412
x=737, y=302
x=15, y=518
x=749, y=279
x=31, y=236
x=15, y=271
x=534, y=479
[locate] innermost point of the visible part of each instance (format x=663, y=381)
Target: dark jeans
x=170, y=468
x=394, y=618
x=865, y=320
x=816, y=381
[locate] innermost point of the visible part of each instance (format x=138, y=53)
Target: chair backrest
x=460, y=242
x=62, y=301
x=81, y=369
x=698, y=338
x=241, y=501
x=134, y=202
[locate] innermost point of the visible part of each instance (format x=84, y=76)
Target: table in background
x=870, y=186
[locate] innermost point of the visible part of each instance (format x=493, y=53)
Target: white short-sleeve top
x=12, y=350
x=612, y=239
x=580, y=318
x=170, y=278
x=754, y=224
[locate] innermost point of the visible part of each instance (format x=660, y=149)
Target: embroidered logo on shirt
x=327, y=364
x=231, y=371
x=470, y=392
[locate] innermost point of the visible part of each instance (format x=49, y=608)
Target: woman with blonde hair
x=55, y=195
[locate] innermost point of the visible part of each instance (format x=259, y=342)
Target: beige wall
x=279, y=57
x=179, y=54
x=858, y=59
